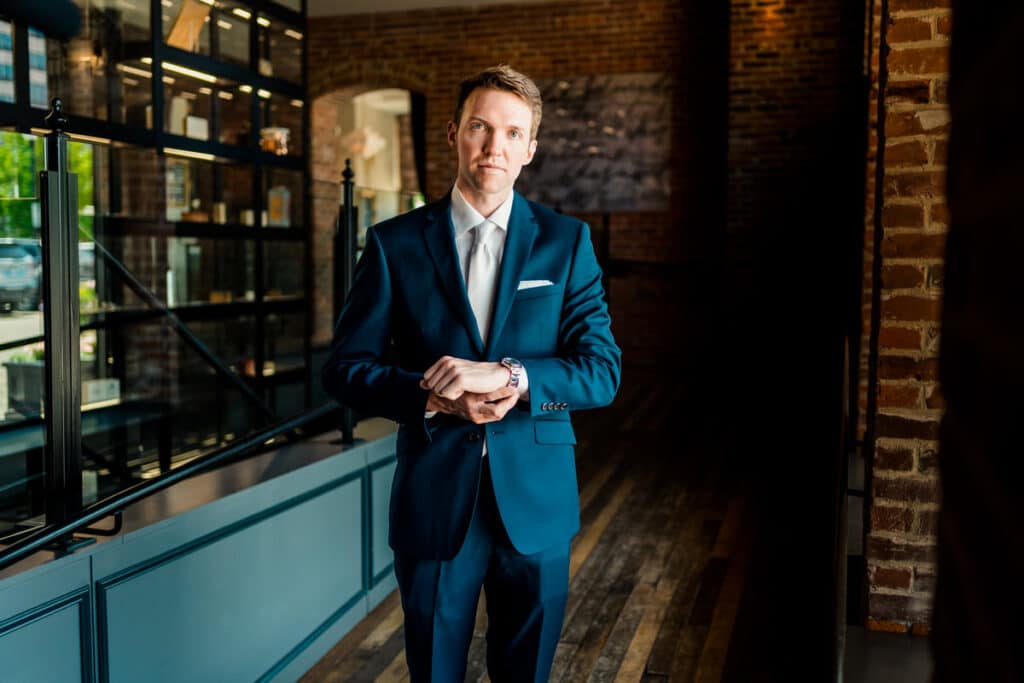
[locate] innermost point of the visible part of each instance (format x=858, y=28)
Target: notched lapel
x=522, y=231
x=440, y=238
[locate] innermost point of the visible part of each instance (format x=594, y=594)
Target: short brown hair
x=502, y=77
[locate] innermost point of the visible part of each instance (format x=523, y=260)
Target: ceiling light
x=239, y=12
x=185, y=71
x=189, y=153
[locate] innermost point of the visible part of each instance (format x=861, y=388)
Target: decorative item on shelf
x=221, y=296
x=177, y=184
x=266, y=67
x=197, y=127
x=247, y=217
x=196, y=215
x=274, y=139
x=278, y=207
x=363, y=142
x=177, y=112
x=172, y=299
x=247, y=367
x=220, y=212
x=185, y=30
x=97, y=390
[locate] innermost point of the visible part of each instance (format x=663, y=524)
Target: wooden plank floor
x=657, y=570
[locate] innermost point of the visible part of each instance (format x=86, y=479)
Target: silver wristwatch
x=515, y=369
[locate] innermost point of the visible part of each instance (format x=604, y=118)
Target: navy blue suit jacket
x=408, y=288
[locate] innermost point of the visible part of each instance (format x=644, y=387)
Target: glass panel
x=22, y=434
x=97, y=73
x=204, y=192
x=282, y=269
x=289, y=399
x=200, y=105
x=130, y=181
x=178, y=271
x=282, y=191
x=186, y=24
x=6, y=62
x=280, y=49
x=160, y=402
x=230, y=22
x=281, y=124
x=295, y=5
x=284, y=342
x=234, y=123
x=21, y=330
x=208, y=271
x=219, y=29
x=236, y=195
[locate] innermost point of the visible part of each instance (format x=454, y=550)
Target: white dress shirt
x=464, y=219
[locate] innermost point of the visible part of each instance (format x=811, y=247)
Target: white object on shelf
x=176, y=114
x=96, y=390
x=197, y=127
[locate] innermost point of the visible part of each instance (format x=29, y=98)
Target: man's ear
x=453, y=131
x=532, y=150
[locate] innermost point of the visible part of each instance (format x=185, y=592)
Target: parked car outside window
x=21, y=269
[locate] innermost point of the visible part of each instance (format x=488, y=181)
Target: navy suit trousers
x=525, y=595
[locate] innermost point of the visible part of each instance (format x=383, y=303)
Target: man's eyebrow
x=513, y=126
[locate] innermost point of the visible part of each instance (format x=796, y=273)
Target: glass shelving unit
x=190, y=125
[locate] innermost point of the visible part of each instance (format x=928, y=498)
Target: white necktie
x=480, y=279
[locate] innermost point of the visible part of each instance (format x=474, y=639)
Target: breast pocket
x=538, y=292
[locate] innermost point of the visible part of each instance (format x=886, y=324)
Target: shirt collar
x=465, y=217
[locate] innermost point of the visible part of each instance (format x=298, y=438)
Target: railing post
x=345, y=246
x=63, y=400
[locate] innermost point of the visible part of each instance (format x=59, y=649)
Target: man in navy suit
x=496, y=314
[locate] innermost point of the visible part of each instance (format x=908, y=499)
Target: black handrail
x=40, y=538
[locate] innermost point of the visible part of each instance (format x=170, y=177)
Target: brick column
x=904, y=495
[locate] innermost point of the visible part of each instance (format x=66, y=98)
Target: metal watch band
x=515, y=369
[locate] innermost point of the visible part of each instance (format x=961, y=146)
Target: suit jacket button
x=473, y=436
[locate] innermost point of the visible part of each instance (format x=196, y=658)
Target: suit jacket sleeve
x=585, y=373
x=356, y=373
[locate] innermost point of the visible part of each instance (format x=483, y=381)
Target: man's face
x=493, y=143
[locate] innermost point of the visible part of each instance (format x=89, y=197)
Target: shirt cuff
x=427, y=414
x=524, y=385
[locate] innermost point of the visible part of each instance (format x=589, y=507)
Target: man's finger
x=500, y=394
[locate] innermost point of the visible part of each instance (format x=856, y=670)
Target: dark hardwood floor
x=658, y=569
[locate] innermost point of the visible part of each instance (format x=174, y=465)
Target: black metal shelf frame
x=63, y=434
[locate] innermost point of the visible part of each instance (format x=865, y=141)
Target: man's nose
x=492, y=144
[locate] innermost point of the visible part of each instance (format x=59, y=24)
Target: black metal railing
x=345, y=251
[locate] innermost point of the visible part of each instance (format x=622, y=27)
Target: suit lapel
x=440, y=238
x=522, y=230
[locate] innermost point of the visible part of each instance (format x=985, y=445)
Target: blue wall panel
x=239, y=602
x=380, y=494
x=50, y=643
x=255, y=585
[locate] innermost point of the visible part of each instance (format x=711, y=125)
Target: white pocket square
x=530, y=284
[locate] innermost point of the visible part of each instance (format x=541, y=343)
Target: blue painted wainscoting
x=254, y=585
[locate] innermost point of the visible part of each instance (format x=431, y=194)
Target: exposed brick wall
x=908, y=405
x=431, y=51
x=783, y=83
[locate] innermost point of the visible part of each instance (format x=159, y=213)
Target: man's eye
x=515, y=134
x=476, y=125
